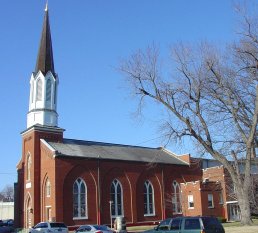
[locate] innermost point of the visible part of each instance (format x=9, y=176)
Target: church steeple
x=44, y=83
x=45, y=60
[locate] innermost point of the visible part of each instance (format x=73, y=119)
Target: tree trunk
x=244, y=205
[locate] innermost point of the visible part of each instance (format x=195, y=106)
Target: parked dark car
x=6, y=226
x=8, y=222
x=6, y=229
x=202, y=224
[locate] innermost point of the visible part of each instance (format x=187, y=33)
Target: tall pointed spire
x=45, y=60
x=46, y=8
x=44, y=84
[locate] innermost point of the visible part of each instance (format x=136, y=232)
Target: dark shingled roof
x=109, y=151
x=45, y=60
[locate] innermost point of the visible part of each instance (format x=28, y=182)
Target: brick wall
x=98, y=176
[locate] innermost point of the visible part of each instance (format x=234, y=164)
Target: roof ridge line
x=175, y=155
x=110, y=143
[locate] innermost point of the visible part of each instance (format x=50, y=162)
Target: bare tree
x=211, y=96
x=1, y=197
x=7, y=193
x=254, y=194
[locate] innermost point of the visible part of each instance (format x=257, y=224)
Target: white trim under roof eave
x=174, y=155
x=231, y=202
x=47, y=145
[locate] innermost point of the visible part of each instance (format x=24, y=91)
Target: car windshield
x=101, y=227
x=57, y=224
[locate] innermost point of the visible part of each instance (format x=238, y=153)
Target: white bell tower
x=44, y=83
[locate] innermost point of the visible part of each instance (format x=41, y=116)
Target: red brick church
x=87, y=182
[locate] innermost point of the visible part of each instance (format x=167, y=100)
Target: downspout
x=163, y=196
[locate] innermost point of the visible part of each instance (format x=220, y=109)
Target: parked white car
x=49, y=227
x=93, y=229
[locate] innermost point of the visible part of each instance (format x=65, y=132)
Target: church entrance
x=234, y=212
x=48, y=214
x=28, y=213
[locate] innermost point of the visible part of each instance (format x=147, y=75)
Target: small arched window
x=29, y=167
x=79, y=199
x=176, y=198
x=48, y=91
x=116, y=197
x=39, y=90
x=48, y=188
x=148, y=198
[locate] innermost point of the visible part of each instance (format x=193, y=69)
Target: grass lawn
x=238, y=224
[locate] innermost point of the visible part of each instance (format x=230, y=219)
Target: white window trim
x=190, y=201
x=122, y=201
x=114, y=216
x=78, y=218
x=46, y=208
x=149, y=215
x=210, y=195
x=175, y=184
x=148, y=201
x=221, y=199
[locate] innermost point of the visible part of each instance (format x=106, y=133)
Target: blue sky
x=89, y=38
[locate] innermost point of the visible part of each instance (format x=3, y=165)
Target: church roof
x=110, y=151
x=45, y=59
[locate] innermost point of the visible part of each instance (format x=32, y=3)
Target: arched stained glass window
x=148, y=198
x=79, y=199
x=116, y=197
x=176, y=198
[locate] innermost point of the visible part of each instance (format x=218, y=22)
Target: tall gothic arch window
x=39, y=90
x=29, y=167
x=79, y=199
x=176, y=198
x=48, y=91
x=148, y=198
x=48, y=188
x=116, y=196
